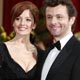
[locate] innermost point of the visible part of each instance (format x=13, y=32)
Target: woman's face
x=24, y=23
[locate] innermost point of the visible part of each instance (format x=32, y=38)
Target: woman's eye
x=49, y=17
x=28, y=20
x=17, y=18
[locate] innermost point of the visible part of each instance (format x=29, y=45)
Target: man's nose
x=54, y=20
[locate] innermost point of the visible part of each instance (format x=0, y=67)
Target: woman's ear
x=13, y=24
x=34, y=26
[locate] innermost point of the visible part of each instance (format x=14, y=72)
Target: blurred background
x=43, y=37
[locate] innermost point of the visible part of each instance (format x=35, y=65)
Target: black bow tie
x=57, y=45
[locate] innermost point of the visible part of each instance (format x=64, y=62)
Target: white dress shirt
x=52, y=56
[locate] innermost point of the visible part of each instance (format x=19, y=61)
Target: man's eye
x=59, y=17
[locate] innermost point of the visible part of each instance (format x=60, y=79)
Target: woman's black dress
x=10, y=70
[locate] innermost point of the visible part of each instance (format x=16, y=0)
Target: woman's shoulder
x=40, y=51
x=1, y=44
x=1, y=51
x=1, y=47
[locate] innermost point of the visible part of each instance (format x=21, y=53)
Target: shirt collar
x=64, y=40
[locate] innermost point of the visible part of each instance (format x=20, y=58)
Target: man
x=62, y=64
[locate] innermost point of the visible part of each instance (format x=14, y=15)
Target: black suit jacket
x=67, y=64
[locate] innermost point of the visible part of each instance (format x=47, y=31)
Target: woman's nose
x=23, y=22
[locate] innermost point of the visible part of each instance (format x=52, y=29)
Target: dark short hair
x=68, y=3
x=21, y=6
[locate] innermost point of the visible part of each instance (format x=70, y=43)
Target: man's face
x=58, y=22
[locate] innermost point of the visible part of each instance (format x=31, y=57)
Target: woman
x=19, y=55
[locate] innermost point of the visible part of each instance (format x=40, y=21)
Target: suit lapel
x=65, y=52
x=44, y=58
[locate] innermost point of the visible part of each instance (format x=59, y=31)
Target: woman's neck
x=22, y=40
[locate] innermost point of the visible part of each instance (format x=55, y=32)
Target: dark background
x=8, y=4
